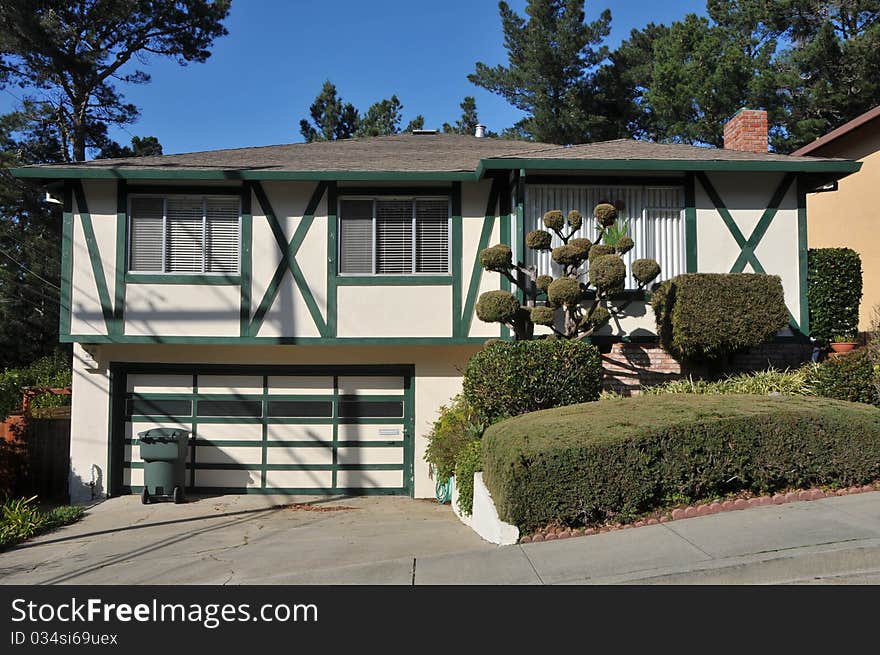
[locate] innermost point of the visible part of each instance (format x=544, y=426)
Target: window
x=655, y=216
x=184, y=234
x=393, y=236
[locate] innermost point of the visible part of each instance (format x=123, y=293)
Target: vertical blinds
x=394, y=236
x=184, y=234
x=655, y=215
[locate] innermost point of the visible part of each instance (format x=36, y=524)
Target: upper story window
x=184, y=234
x=393, y=236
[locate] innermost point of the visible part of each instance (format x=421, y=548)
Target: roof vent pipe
x=480, y=132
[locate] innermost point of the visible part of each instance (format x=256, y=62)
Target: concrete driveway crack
x=532, y=564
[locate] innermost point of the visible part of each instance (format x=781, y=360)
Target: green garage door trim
x=119, y=417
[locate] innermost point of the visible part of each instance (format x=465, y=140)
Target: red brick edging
x=691, y=511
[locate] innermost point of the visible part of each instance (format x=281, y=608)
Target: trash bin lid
x=164, y=433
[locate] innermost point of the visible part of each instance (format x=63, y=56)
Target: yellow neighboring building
x=850, y=217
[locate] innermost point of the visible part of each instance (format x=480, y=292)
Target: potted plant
x=843, y=343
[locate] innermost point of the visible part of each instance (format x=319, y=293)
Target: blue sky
x=263, y=76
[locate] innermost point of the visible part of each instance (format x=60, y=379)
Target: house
x=305, y=309
x=849, y=217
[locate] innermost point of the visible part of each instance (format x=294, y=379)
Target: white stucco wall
x=394, y=311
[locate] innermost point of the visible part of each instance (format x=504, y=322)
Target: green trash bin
x=164, y=453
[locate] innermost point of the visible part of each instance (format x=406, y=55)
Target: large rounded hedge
x=509, y=378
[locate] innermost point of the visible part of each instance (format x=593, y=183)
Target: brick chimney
x=746, y=131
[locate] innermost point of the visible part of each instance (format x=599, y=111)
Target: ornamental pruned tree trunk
x=576, y=303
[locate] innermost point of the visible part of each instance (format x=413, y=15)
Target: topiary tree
x=576, y=302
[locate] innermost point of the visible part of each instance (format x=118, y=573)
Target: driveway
x=245, y=539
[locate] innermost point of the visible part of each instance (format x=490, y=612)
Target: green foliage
x=456, y=426
x=567, y=255
x=575, y=219
x=550, y=52
x=608, y=273
x=554, y=220
x=543, y=315
x=711, y=315
x=596, y=319
x=616, y=233
x=331, y=118
x=20, y=519
x=538, y=240
x=497, y=307
x=511, y=378
x=645, y=271
x=610, y=460
x=469, y=120
x=624, y=245
x=581, y=248
x=468, y=462
x=834, y=290
x=51, y=371
x=543, y=282
x=605, y=214
x=600, y=250
x=496, y=258
x=851, y=376
x=796, y=382
x=564, y=291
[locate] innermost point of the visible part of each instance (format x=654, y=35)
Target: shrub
x=20, y=519
x=499, y=306
x=468, y=462
x=455, y=427
x=851, y=376
x=796, y=382
x=50, y=371
x=834, y=290
x=511, y=378
x=711, y=315
x=615, y=459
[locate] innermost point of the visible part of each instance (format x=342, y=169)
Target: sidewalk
x=833, y=540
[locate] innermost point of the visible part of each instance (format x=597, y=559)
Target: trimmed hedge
x=834, y=291
x=849, y=376
x=617, y=459
x=467, y=463
x=509, y=378
x=706, y=316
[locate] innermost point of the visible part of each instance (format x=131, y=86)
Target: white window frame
x=165, y=196
x=373, y=199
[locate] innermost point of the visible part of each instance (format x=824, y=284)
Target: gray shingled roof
x=414, y=154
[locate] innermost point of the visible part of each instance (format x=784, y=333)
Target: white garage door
x=345, y=430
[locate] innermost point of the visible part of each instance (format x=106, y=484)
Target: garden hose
x=443, y=490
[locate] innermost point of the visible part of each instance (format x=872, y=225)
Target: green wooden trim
x=291, y=443
x=409, y=431
x=183, y=278
x=264, y=441
x=185, y=189
x=94, y=255
x=477, y=272
x=504, y=209
x=193, y=455
x=456, y=239
x=802, y=257
x=246, y=265
x=118, y=325
x=66, y=263
x=521, y=181
x=394, y=280
x=732, y=227
x=690, y=224
x=763, y=224
x=605, y=180
x=332, y=266
x=286, y=341
x=408, y=191
x=385, y=397
x=288, y=259
x=798, y=164
x=335, y=437
x=254, y=420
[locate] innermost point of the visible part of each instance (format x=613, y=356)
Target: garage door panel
x=300, y=385
x=366, y=432
x=228, y=455
x=361, y=385
x=235, y=384
x=369, y=479
x=235, y=479
x=322, y=454
x=362, y=455
x=319, y=480
x=133, y=477
x=150, y=383
x=297, y=432
x=230, y=431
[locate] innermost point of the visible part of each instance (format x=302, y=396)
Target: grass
x=797, y=382
x=21, y=519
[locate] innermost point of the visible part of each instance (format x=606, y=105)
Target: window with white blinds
x=654, y=215
x=393, y=236
x=184, y=234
